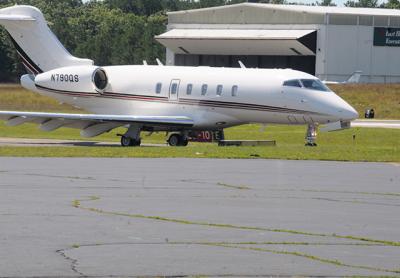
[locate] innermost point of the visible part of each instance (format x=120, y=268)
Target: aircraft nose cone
x=348, y=113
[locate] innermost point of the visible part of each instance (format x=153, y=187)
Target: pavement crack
x=358, y=240
x=393, y=194
x=309, y=256
x=61, y=177
x=246, y=246
x=241, y=187
x=77, y=204
x=73, y=262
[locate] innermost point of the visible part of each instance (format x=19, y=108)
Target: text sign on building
x=386, y=36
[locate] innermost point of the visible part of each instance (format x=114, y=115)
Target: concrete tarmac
x=70, y=217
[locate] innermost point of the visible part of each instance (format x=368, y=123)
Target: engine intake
x=100, y=80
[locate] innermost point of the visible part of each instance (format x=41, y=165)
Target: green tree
x=391, y=4
x=325, y=3
x=110, y=32
x=362, y=3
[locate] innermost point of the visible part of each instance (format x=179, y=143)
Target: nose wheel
x=311, y=135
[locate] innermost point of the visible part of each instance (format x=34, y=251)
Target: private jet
x=353, y=79
x=177, y=100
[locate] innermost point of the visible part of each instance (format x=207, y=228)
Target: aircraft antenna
x=241, y=64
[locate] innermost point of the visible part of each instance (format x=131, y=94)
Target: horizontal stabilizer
x=12, y=17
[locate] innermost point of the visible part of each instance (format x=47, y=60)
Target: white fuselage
x=213, y=97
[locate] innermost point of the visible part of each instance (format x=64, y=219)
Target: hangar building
x=329, y=42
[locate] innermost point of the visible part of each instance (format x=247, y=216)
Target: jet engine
x=79, y=79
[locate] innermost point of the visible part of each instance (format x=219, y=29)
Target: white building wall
x=350, y=48
x=320, y=61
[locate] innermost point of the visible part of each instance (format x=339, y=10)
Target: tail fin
x=355, y=77
x=38, y=47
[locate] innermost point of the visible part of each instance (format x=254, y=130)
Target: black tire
x=310, y=144
x=174, y=140
x=184, y=142
x=126, y=141
x=136, y=143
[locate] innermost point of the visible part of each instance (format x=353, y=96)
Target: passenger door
x=174, y=89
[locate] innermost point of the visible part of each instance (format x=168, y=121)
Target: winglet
x=159, y=62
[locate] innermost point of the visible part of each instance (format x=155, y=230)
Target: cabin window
x=204, y=88
x=219, y=90
x=158, y=88
x=174, y=88
x=292, y=83
x=189, y=89
x=235, y=91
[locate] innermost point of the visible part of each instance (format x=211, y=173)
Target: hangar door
x=256, y=48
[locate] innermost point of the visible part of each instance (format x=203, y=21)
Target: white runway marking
x=376, y=123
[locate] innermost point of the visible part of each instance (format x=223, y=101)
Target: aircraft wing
x=90, y=124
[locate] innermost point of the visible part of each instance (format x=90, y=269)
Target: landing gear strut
x=311, y=135
x=132, y=137
x=176, y=140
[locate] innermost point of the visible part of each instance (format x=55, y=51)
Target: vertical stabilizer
x=38, y=47
x=355, y=77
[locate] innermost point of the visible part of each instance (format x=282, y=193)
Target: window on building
x=235, y=91
x=204, y=88
x=158, y=88
x=219, y=90
x=189, y=89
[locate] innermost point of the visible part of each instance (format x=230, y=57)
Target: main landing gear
x=131, y=138
x=178, y=140
x=311, y=135
x=130, y=142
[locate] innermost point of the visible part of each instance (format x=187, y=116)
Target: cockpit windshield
x=314, y=84
x=292, y=83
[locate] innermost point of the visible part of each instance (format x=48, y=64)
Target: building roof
x=256, y=13
x=302, y=9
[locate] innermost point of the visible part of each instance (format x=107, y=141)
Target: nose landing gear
x=311, y=135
